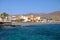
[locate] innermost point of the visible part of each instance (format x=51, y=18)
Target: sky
x=29, y=6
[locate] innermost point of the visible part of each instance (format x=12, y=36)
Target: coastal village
x=18, y=19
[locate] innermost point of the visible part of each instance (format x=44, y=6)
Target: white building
x=13, y=17
x=0, y=19
x=25, y=18
x=38, y=19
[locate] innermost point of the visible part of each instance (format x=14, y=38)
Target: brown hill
x=54, y=15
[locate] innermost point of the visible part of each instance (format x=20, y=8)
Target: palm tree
x=3, y=16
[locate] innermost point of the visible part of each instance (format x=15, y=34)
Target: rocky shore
x=33, y=23
x=25, y=23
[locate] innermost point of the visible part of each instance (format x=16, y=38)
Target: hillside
x=54, y=15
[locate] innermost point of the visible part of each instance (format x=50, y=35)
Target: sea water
x=31, y=32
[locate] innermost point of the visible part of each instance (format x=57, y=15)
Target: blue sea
x=31, y=32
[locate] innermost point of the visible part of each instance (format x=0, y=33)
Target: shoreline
x=26, y=23
x=23, y=24
x=32, y=23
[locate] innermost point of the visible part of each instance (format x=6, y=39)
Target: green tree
x=4, y=15
x=22, y=20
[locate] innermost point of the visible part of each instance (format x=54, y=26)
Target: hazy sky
x=29, y=6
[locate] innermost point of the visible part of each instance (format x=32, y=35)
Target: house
x=9, y=18
x=25, y=18
x=0, y=19
x=14, y=18
x=37, y=19
x=31, y=18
